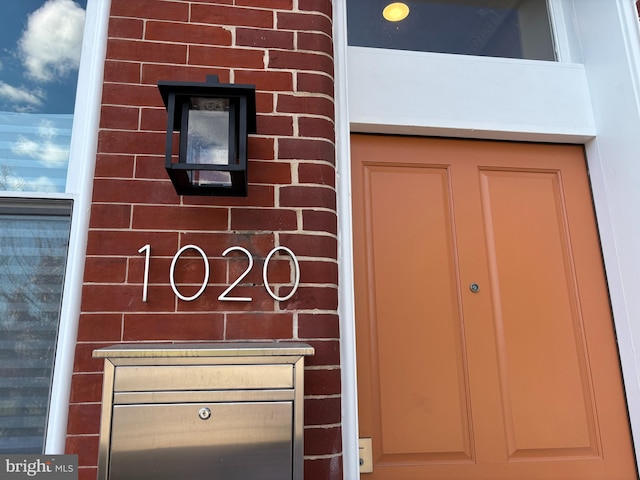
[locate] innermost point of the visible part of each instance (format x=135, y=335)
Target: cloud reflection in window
x=40, y=44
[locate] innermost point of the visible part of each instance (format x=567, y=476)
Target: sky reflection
x=40, y=43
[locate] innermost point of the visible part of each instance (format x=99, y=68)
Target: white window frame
x=79, y=187
x=601, y=111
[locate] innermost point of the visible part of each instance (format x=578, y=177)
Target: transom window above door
x=492, y=28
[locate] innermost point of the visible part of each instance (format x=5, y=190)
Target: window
x=33, y=252
x=494, y=28
x=41, y=42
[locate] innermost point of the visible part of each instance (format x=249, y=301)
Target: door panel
x=517, y=380
x=423, y=284
x=537, y=315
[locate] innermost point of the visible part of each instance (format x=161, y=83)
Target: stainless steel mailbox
x=220, y=411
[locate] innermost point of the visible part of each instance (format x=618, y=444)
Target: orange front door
x=485, y=344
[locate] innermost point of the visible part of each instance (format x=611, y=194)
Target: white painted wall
x=610, y=41
x=393, y=91
x=593, y=101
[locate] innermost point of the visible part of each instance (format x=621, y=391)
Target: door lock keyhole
x=204, y=413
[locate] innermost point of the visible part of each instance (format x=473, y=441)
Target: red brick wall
x=284, y=47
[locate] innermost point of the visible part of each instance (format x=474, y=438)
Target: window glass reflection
x=494, y=28
x=33, y=252
x=40, y=44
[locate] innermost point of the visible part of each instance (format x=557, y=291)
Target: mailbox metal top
x=216, y=349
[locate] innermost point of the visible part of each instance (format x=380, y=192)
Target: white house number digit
x=297, y=274
x=147, y=256
x=224, y=296
x=173, y=269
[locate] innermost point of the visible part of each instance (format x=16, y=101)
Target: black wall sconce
x=213, y=120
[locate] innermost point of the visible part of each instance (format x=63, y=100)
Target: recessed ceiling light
x=394, y=12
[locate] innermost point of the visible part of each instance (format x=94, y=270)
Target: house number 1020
x=226, y=295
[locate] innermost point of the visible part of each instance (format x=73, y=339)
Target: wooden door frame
x=610, y=150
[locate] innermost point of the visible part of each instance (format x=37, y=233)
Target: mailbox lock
x=204, y=413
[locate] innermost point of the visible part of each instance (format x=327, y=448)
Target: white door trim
x=346, y=306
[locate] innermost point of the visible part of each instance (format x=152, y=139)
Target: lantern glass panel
x=208, y=139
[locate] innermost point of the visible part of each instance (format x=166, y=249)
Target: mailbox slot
x=224, y=411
